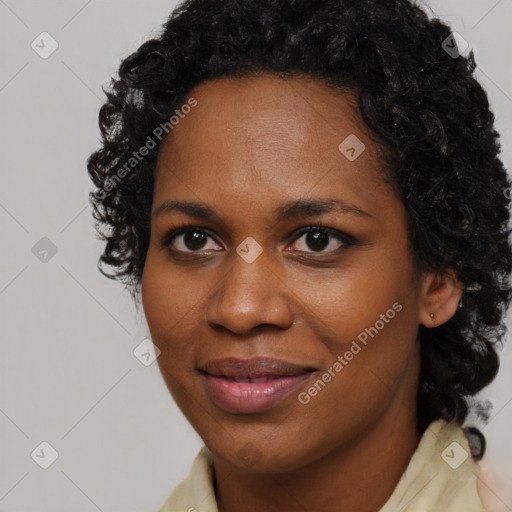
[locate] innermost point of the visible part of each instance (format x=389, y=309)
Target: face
x=295, y=249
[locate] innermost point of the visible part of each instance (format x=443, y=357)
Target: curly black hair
x=419, y=99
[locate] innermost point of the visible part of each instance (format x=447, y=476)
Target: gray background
x=68, y=375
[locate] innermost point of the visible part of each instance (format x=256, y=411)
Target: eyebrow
x=298, y=208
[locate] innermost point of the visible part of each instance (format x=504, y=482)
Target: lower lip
x=247, y=397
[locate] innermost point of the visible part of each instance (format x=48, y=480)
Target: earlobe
x=440, y=297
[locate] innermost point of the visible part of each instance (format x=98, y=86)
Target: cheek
x=367, y=316
x=343, y=304
x=170, y=309
x=168, y=297
x=169, y=303
x=373, y=362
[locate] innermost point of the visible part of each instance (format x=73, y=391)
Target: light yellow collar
x=441, y=476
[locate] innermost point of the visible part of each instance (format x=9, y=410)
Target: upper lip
x=252, y=368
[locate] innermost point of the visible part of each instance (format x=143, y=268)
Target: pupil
x=194, y=239
x=317, y=240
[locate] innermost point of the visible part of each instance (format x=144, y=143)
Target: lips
x=255, y=368
x=253, y=385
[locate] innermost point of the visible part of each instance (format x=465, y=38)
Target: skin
x=250, y=145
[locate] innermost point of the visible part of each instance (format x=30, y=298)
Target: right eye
x=190, y=239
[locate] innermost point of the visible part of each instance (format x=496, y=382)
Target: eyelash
x=345, y=239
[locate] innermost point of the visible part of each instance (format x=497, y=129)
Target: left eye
x=319, y=239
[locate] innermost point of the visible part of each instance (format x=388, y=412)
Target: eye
x=318, y=239
x=189, y=239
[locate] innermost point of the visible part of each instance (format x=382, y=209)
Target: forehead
x=265, y=96
x=289, y=133
x=257, y=103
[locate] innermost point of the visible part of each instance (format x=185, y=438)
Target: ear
x=440, y=297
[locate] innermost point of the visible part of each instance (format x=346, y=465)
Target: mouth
x=265, y=378
x=254, y=385
x=254, y=368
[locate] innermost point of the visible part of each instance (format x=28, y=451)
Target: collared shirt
x=441, y=477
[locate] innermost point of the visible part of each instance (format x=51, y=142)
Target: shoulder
x=494, y=488
x=494, y=492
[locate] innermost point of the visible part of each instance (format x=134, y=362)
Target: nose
x=250, y=295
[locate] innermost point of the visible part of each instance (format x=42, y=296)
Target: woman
x=308, y=199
